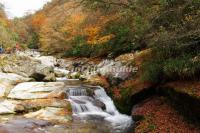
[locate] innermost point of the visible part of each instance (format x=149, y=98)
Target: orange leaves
x=94, y=37
x=72, y=25
x=105, y=38
x=59, y=24
x=94, y=31
x=38, y=20
x=86, y=24
x=3, y=19
x=4, y=22
x=100, y=40
x=77, y=18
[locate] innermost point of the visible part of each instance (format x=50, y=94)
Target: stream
x=85, y=107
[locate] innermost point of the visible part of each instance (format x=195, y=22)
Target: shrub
x=152, y=71
x=123, y=38
x=173, y=61
x=33, y=41
x=182, y=68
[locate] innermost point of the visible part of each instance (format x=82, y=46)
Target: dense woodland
x=100, y=28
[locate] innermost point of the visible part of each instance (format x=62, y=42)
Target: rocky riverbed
x=34, y=95
x=43, y=94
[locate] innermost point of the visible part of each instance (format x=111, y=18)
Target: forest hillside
x=92, y=28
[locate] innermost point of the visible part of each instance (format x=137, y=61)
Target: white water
x=84, y=108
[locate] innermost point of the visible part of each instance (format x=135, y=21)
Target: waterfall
x=83, y=106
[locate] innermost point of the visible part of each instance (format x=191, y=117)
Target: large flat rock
x=8, y=81
x=37, y=90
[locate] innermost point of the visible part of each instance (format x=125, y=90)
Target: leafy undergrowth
x=160, y=117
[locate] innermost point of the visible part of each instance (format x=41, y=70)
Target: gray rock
x=99, y=104
x=110, y=68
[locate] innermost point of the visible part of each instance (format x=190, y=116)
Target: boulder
x=49, y=61
x=10, y=107
x=8, y=81
x=42, y=72
x=26, y=67
x=37, y=90
x=52, y=114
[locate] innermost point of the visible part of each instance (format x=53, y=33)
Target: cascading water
x=84, y=107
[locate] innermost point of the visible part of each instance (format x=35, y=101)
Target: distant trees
x=126, y=4
x=63, y=26
x=7, y=36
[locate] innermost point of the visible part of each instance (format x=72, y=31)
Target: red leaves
x=160, y=117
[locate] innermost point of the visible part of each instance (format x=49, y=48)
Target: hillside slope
x=7, y=36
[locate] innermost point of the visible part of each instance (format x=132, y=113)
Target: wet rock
x=8, y=81
x=99, y=104
x=37, y=90
x=52, y=114
x=90, y=92
x=10, y=107
x=24, y=126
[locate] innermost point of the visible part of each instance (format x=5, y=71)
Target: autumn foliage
x=78, y=29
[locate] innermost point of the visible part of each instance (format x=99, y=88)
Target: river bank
x=34, y=87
